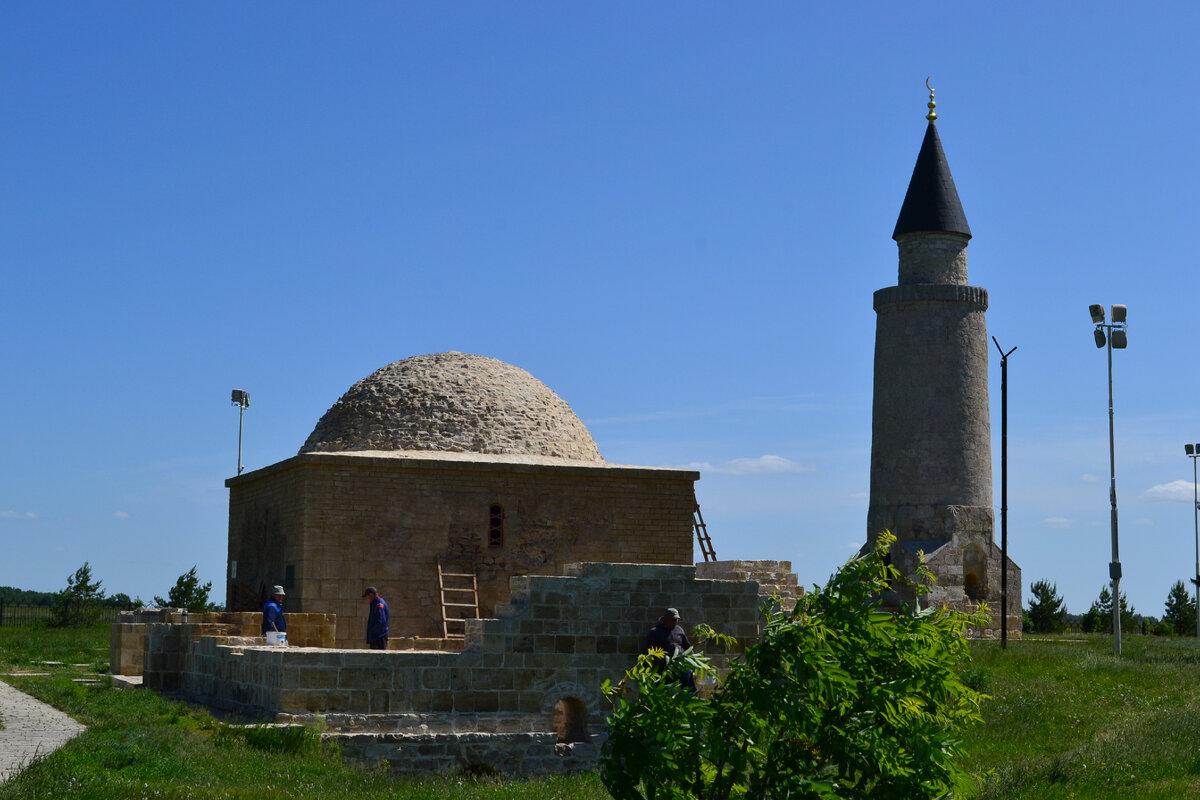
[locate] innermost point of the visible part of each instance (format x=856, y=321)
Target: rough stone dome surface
x=453, y=402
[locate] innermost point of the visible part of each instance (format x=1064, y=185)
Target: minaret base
x=958, y=547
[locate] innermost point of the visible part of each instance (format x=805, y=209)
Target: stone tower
x=931, y=457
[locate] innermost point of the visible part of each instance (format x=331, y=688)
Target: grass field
x=1069, y=719
x=1066, y=719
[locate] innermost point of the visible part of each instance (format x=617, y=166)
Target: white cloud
x=121, y=514
x=17, y=515
x=762, y=465
x=1090, y=478
x=1058, y=523
x=1173, y=492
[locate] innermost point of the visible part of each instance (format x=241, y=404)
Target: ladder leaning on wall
x=459, y=591
x=706, y=545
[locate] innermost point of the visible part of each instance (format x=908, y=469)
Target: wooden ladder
x=706, y=546
x=460, y=596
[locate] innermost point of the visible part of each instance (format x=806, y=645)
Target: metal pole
x=1196, y=517
x=1114, y=568
x=1003, y=493
x=241, y=412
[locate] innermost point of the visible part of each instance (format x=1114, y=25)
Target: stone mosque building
x=436, y=479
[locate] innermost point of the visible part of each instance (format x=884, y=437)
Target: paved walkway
x=32, y=730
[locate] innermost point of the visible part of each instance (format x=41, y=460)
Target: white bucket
x=277, y=638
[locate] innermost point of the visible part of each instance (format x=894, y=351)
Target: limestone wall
x=339, y=522
x=511, y=754
x=127, y=644
x=533, y=674
x=967, y=572
x=774, y=578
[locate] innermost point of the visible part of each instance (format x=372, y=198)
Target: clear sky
x=673, y=214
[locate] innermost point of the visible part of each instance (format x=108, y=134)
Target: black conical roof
x=932, y=201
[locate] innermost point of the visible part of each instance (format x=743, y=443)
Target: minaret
x=931, y=457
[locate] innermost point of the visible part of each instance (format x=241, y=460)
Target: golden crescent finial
x=932, y=115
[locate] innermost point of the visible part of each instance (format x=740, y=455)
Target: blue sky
x=673, y=214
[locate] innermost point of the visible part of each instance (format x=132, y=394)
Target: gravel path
x=32, y=730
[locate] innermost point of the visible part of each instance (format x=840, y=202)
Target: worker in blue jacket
x=377, y=620
x=273, y=612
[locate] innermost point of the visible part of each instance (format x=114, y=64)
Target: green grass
x=1066, y=719
x=1069, y=719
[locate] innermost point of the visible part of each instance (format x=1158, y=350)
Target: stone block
x=441, y=701
x=365, y=679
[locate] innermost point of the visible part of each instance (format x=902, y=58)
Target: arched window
x=570, y=720
x=496, y=525
x=975, y=573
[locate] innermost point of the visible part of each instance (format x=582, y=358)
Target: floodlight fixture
x=240, y=398
x=1190, y=449
x=1119, y=339
x=1100, y=340
x=1118, y=312
x=1097, y=312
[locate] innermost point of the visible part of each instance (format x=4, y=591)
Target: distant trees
x=187, y=593
x=78, y=602
x=81, y=602
x=10, y=595
x=1180, y=611
x=1098, y=618
x=1047, y=613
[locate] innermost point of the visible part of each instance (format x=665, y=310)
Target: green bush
x=838, y=698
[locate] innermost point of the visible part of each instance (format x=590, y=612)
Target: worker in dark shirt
x=668, y=635
x=377, y=620
x=273, y=613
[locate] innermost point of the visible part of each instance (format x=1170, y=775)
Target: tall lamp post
x=242, y=400
x=1193, y=452
x=1004, y=493
x=1116, y=337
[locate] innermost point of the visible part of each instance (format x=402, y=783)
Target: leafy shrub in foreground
x=837, y=699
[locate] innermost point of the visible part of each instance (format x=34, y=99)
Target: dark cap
x=671, y=613
x=369, y=590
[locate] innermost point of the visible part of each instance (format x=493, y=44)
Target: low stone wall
x=511, y=755
x=127, y=643
x=774, y=578
x=530, y=678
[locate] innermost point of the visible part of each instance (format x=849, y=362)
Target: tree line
x=1047, y=613
x=81, y=600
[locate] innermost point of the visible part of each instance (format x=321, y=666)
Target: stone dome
x=453, y=402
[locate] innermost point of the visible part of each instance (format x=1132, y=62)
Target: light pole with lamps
x=1116, y=337
x=242, y=400
x=1193, y=452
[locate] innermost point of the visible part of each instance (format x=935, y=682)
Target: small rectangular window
x=496, y=526
x=289, y=576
